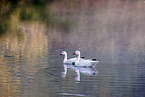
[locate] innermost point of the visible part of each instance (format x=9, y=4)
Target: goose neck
x=78, y=58
x=65, y=58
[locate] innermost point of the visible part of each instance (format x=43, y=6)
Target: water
x=34, y=69
x=30, y=64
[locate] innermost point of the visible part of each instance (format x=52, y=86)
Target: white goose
x=69, y=61
x=84, y=63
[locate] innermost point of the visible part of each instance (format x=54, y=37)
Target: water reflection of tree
x=22, y=56
x=8, y=88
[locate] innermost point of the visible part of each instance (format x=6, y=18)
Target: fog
x=114, y=29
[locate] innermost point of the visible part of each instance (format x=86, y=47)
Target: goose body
x=84, y=63
x=70, y=61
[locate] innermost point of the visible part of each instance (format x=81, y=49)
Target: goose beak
x=60, y=53
x=74, y=53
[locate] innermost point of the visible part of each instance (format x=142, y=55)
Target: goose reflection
x=89, y=71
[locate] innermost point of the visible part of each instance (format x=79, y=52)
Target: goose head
x=76, y=52
x=63, y=53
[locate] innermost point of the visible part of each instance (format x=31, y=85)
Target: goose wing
x=83, y=63
x=87, y=63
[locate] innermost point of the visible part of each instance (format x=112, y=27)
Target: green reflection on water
x=13, y=14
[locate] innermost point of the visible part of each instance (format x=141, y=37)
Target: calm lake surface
x=31, y=65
